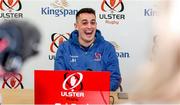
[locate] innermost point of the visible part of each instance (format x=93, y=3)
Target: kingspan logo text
x=58, y=12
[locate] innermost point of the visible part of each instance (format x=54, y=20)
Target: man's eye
x=93, y=23
x=84, y=23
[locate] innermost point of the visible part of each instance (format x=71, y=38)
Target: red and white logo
x=57, y=39
x=72, y=81
x=10, y=5
x=112, y=5
x=12, y=81
x=97, y=56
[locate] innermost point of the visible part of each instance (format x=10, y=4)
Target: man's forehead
x=86, y=16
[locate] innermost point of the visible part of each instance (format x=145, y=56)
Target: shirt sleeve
x=59, y=63
x=113, y=66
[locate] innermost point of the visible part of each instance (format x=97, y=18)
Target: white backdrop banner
x=127, y=24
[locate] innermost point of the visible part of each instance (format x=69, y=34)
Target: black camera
x=18, y=41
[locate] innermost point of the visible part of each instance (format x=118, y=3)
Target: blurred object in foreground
x=18, y=41
x=159, y=78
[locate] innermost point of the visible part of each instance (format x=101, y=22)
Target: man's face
x=86, y=26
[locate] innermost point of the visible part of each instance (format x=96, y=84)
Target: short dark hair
x=85, y=10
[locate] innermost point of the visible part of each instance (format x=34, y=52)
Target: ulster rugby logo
x=113, y=11
x=97, y=56
x=73, y=81
x=10, y=5
x=57, y=39
x=12, y=81
x=72, y=86
x=112, y=5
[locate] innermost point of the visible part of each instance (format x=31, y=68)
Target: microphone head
x=89, y=69
x=23, y=39
x=27, y=36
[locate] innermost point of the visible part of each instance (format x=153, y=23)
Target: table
x=26, y=96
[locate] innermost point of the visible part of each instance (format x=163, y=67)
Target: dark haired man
x=87, y=50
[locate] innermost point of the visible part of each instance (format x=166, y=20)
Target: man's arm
x=59, y=63
x=113, y=67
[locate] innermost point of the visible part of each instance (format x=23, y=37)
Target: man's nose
x=89, y=25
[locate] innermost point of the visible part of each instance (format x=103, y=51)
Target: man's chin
x=89, y=40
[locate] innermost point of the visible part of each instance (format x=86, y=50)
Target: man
x=87, y=50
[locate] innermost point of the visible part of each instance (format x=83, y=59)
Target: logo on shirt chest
x=73, y=58
x=97, y=56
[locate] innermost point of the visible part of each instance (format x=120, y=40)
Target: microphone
x=89, y=69
x=18, y=41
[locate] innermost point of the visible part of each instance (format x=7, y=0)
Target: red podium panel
x=71, y=87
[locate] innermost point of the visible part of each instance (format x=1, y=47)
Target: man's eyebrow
x=87, y=20
x=84, y=20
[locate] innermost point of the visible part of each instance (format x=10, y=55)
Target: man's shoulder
x=105, y=46
x=107, y=43
x=65, y=44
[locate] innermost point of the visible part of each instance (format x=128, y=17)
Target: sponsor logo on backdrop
x=10, y=9
x=58, y=8
x=112, y=11
x=120, y=53
x=12, y=81
x=56, y=40
x=153, y=10
x=150, y=12
x=60, y=4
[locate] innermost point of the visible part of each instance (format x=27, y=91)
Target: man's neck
x=86, y=44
